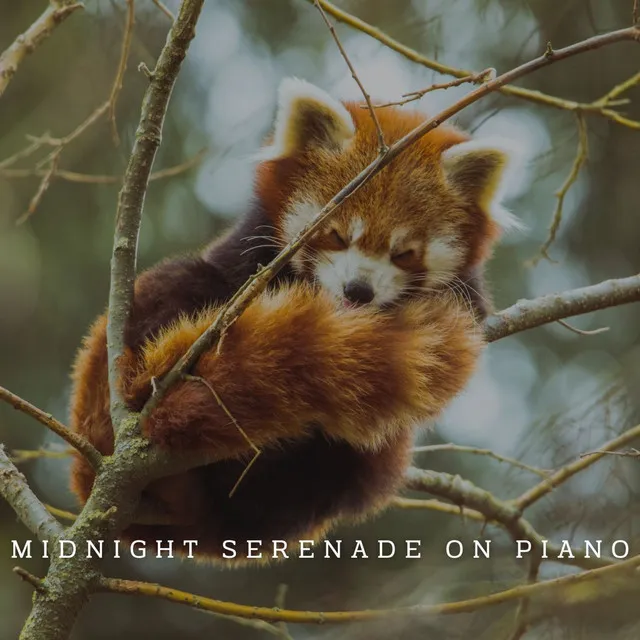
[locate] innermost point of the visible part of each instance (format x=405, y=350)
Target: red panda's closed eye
x=337, y=239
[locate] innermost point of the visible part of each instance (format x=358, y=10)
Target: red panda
x=330, y=370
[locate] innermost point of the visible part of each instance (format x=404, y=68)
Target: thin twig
x=23, y=153
x=610, y=98
x=481, y=452
x=437, y=505
x=562, y=475
x=18, y=456
x=61, y=513
x=34, y=581
x=522, y=622
x=631, y=453
x=243, y=433
x=547, y=588
x=28, y=41
x=122, y=67
x=87, y=178
x=382, y=145
x=581, y=157
x=475, y=78
x=281, y=596
x=44, y=185
x=583, y=332
x=77, y=442
x=164, y=9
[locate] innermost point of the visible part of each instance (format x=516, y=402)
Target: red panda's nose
x=358, y=292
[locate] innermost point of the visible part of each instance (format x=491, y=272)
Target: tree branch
x=122, y=67
x=77, y=442
x=132, y=194
x=580, y=159
x=27, y=42
x=89, y=178
x=548, y=588
x=528, y=314
x=450, y=446
x=508, y=515
x=15, y=490
x=566, y=472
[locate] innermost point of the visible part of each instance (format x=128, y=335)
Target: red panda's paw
x=446, y=344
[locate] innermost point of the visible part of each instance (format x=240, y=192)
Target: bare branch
x=594, y=108
x=15, y=490
x=87, y=178
x=583, y=332
x=34, y=581
x=23, y=153
x=522, y=614
x=60, y=513
x=18, y=456
x=582, y=154
x=508, y=515
x=132, y=194
x=481, y=452
x=27, y=42
x=164, y=9
x=527, y=314
x=382, y=145
x=437, y=505
x=122, y=67
x=611, y=574
x=562, y=475
x=77, y=442
x=475, y=78
x=44, y=185
x=631, y=453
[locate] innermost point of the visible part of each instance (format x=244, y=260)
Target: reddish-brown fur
x=413, y=183
x=330, y=395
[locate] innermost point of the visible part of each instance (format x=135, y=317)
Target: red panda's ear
x=307, y=117
x=482, y=171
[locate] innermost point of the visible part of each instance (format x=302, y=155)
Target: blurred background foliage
x=544, y=396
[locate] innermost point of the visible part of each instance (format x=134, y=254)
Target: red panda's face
x=378, y=250
x=419, y=226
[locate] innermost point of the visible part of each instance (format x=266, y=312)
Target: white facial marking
x=336, y=268
x=297, y=217
x=356, y=229
x=443, y=258
x=397, y=236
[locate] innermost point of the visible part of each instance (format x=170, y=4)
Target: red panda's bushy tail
x=294, y=359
